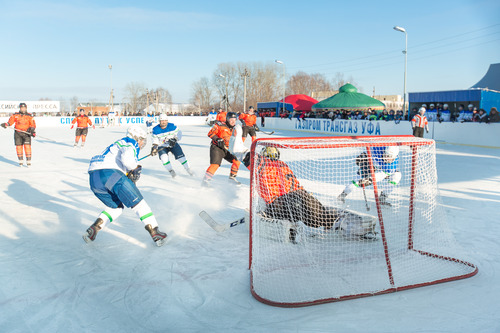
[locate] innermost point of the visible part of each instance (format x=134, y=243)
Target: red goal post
x=413, y=246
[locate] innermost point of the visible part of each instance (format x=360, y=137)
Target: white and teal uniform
x=387, y=175
x=110, y=184
x=163, y=138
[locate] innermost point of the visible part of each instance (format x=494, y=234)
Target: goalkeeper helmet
x=271, y=153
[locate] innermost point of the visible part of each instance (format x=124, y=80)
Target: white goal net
x=346, y=217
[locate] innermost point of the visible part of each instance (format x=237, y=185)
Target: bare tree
x=202, y=93
x=73, y=102
x=303, y=83
x=338, y=81
x=135, y=95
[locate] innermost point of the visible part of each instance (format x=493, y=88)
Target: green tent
x=350, y=99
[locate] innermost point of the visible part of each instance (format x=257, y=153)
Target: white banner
x=33, y=106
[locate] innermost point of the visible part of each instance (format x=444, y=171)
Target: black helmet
x=22, y=104
x=230, y=115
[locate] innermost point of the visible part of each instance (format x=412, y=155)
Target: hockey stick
x=366, y=201
x=221, y=227
x=37, y=136
x=268, y=133
x=150, y=154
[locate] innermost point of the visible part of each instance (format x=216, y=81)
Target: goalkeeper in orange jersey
x=25, y=128
x=286, y=199
x=82, y=128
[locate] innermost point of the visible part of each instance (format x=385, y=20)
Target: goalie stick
x=221, y=227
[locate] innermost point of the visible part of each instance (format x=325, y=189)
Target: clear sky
x=60, y=49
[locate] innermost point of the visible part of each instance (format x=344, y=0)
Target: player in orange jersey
x=249, y=122
x=25, y=128
x=82, y=128
x=221, y=116
x=220, y=134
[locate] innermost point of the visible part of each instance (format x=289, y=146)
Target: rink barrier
x=470, y=134
x=473, y=134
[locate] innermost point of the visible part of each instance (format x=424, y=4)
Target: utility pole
x=245, y=75
x=111, y=89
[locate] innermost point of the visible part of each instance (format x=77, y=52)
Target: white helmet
x=445, y=105
x=137, y=133
x=391, y=153
x=471, y=106
x=163, y=116
x=421, y=109
x=424, y=105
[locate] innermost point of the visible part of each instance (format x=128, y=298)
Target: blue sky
x=61, y=49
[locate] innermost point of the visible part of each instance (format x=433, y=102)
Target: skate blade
x=87, y=239
x=161, y=242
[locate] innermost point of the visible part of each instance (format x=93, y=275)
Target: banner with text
x=33, y=106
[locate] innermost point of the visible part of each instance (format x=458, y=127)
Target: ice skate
x=20, y=163
x=75, y=145
x=92, y=231
x=172, y=173
x=233, y=180
x=383, y=200
x=28, y=163
x=158, y=237
x=206, y=183
x=341, y=197
x=190, y=172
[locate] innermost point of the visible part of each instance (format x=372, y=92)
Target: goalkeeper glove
x=135, y=174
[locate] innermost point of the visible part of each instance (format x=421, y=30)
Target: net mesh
x=310, y=243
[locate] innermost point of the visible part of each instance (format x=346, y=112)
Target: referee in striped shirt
x=419, y=122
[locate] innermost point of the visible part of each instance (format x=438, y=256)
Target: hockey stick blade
x=220, y=227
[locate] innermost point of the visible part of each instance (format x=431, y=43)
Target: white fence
x=479, y=134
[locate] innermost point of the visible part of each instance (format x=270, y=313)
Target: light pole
x=405, y=53
x=225, y=102
x=111, y=87
x=284, y=83
x=245, y=75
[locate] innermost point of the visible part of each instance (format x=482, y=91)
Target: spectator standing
x=494, y=115
x=482, y=116
x=419, y=122
x=432, y=113
x=445, y=113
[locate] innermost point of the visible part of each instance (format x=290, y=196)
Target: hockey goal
x=389, y=236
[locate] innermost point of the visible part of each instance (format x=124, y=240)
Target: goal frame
x=369, y=142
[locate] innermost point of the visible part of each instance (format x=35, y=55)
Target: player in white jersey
x=165, y=139
x=385, y=162
x=112, y=177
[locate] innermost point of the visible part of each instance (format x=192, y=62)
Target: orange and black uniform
x=25, y=128
x=286, y=199
x=221, y=131
x=221, y=116
x=249, y=121
x=82, y=128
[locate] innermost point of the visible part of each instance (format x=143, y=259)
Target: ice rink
x=52, y=281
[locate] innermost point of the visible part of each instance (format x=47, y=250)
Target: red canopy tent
x=300, y=102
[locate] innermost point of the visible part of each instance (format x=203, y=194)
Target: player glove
x=31, y=131
x=154, y=150
x=93, y=126
x=365, y=182
x=172, y=142
x=72, y=126
x=256, y=127
x=135, y=174
x=4, y=125
x=220, y=143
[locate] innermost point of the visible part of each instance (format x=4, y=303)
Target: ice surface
x=52, y=281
